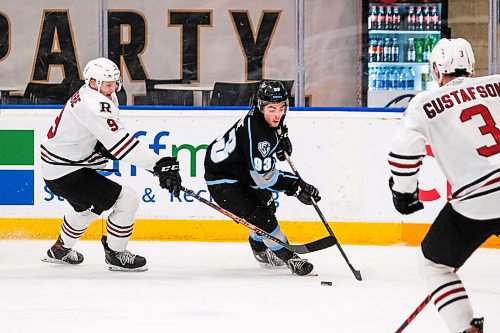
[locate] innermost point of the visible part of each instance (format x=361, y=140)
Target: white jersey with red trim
x=461, y=123
x=88, y=117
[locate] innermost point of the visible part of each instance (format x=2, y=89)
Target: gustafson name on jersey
x=459, y=96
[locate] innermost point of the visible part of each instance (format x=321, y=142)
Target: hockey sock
x=74, y=226
x=121, y=220
x=448, y=295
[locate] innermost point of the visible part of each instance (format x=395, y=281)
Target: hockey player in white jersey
x=461, y=123
x=84, y=136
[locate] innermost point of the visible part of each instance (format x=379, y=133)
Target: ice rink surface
x=218, y=287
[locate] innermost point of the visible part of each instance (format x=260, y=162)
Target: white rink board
x=344, y=154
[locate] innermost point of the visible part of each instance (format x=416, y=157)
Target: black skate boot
x=476, y=326
x=58, y=254
x=123, y=261
x=299, y=266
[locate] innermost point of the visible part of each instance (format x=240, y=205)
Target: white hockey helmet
x=452, y=55
x=102, y=69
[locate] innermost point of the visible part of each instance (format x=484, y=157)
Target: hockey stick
x=419, y=308
x=317, y=245
x=357, y=274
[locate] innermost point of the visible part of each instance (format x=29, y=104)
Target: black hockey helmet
x=270, y=92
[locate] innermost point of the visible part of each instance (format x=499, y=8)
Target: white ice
x=218, y=287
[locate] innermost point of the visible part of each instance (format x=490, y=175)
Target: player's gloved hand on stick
x=167, y=169
x=405, y=203
x=304, y=192
x=284, y=145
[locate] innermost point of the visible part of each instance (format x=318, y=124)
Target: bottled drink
x=407, y=79
x=427, y=18
x=427, y=49
x=383, y=78
x=381, y=18
x=372, y=18
x=377, y=83
x=388, y=18
x=387, y=50
x=436, y=23
x=411, y=50
x=419, y=19
x=395, y=50
x=394, y=79
x=410, y=18
x=387, y=76
x=419, y=50
x=371, y=50
x=372, y=78
x=380, y=50
x=396, y=18
x=425, y=80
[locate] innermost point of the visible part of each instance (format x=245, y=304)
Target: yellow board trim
x=353, y=233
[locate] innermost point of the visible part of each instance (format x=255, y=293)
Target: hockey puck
x=326, y=283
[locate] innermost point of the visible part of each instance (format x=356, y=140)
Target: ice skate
x=58, y=254
x=476, y=326
x=268, y=259
x=123, y=261
x=299, y=266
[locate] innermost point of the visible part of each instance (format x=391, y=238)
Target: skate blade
x=122, y=269
x=269, y=266
x=56, y=261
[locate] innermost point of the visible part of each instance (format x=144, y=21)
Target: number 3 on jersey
x=490, y=127
x=222, y=148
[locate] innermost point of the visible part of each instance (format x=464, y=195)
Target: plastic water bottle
x=411, y=84
x=377, y=83
x=394, y=80
x=407, y=79
x=384, y=78
x=411, y=50
x=372, y=78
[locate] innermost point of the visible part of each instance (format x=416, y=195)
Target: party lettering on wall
x=56, y=44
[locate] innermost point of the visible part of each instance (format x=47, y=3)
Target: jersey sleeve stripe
x=120, y=142
x=129, y=150
x=123, y=146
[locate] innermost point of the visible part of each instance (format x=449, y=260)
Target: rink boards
x=343, y=153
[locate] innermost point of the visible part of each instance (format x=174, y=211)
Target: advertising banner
x=344, y=154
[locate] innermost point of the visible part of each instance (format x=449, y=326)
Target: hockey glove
x=304, y=192
x=101, y=150
x=405, y=203
x=167, y=169
x=284, y=145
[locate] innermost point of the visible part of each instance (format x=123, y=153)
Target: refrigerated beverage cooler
x=397, y=40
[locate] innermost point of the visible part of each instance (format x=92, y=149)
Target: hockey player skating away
x=460, y=121
x=84, y=135
x=240, y=173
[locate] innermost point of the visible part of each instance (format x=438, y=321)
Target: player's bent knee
x=263, y=218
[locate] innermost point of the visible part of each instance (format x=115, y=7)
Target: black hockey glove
x=101, y=150
x=167, y=169
x=405, y=203
x=304, y=192
x=284, y=145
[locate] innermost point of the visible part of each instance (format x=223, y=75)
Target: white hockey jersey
x=88, y=117
x=461, y=123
